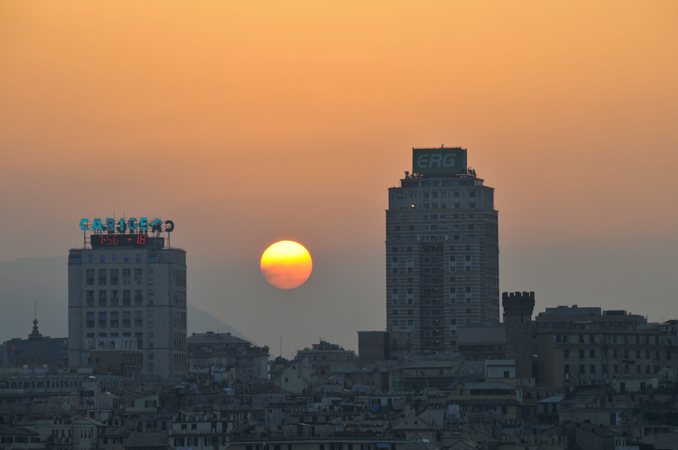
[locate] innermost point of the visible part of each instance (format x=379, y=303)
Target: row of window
x=434, y=194
x=442, y=226
x=432, y=249
x=615, y=369
x=432, y=312
x=452, y=290
x=434, y=205
x=456, y=216
x=430, y=323
x=452, y=269
x=114, y=258
x=427, y=280
x=139, y=336
x=434, y=260
x=615, y=339
x=115, y=319
x=103, y=279
x=138, y=272
x=103, y=298
x=627, y=354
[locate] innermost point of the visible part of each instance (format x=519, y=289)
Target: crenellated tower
x=518, y=308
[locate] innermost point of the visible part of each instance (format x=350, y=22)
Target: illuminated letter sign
x=438, y=160
x=132, y=224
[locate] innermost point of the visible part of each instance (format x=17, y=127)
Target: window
x=102, y=298
x=138, y=258
x=102, y=258
x=114, y=319
x=102, y=320
x=592, y=353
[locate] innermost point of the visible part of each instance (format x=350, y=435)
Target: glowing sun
x=286, y=264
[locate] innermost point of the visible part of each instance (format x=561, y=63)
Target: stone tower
x=518, y=309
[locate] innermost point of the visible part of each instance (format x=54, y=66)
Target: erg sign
x=439, y=160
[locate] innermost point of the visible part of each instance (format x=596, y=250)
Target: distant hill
x=44, y=282
x=200, y=321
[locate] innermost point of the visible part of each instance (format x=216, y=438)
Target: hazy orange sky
x=251, y=122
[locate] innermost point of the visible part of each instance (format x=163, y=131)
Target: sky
x=247, y=123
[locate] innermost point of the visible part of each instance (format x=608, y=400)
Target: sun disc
x=286, y=264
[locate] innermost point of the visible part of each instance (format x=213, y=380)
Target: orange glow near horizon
x=289, y=98
x=286, y=264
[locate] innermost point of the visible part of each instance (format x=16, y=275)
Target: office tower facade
x=442, y=254
x=128, y=284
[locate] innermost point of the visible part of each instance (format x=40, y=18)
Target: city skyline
x=248, y=126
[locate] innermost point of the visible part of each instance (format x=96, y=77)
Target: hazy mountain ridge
x=43, y=282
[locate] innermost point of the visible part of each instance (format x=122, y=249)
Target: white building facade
x=129, y=291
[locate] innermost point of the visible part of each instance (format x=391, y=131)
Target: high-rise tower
x=128, y=284
x=442, y=254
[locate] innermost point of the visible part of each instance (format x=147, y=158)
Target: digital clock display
x=119, y=240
